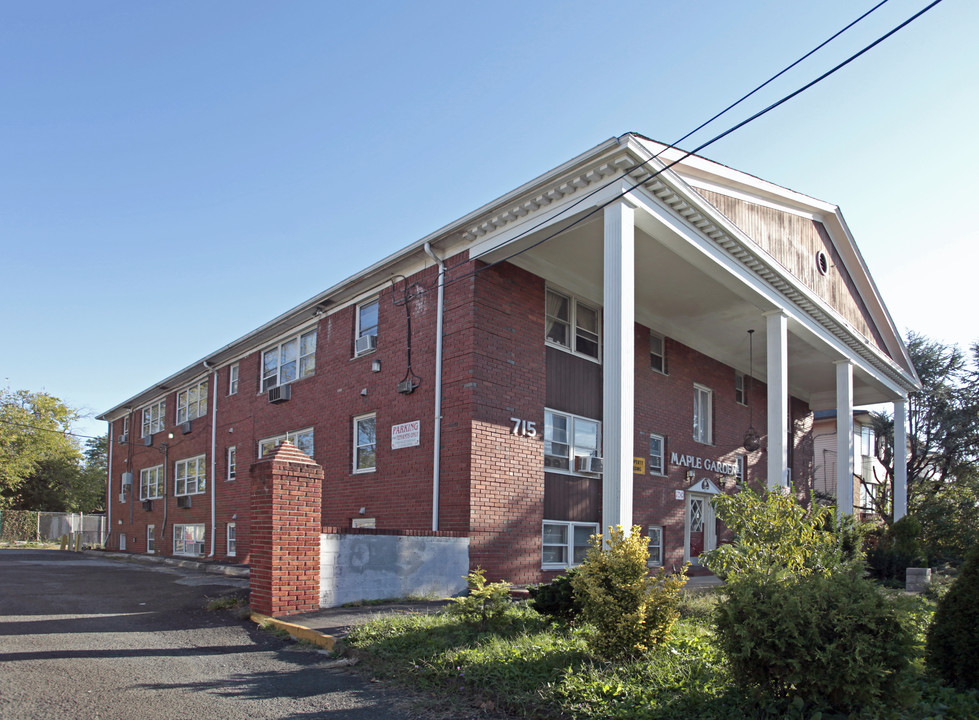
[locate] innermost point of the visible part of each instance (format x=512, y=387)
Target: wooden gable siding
x=793, y=242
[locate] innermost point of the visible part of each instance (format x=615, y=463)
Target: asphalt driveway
x=87, y=637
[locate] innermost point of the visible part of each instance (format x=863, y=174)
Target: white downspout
x=214, y=437
x=437, y=454
x=108, y=490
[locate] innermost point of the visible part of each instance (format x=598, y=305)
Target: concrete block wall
x=357, y=565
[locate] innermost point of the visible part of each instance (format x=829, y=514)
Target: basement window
x=565, y=544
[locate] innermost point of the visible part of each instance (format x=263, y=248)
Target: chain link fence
x=33, y=526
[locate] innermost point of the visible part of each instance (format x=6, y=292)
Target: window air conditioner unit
x=365, y=344
x=185, y=427
x=147, y=505
x=124, y=438
x=590, y=465
x=148, y=440
x=183, y=501
x=127, y=479
x=280, y=393
x=122, y=497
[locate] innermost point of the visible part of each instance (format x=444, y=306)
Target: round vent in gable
x=822, y=262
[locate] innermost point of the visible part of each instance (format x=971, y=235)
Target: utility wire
x=687, y=154
x=60, y=432
x=697, y=129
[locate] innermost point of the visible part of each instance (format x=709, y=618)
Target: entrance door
x=700, y=527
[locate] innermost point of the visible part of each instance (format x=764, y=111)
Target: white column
x=618, y=384
x=778, y=400
x=844, y=438
x=900, y=459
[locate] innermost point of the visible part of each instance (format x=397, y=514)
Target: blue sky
x=174, y=174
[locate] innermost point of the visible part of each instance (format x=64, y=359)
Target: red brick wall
x=285, y=523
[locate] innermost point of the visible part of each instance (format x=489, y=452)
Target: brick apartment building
x=522, y=391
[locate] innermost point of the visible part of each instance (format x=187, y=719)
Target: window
x=571, y=324
x=154, y=417
x=192, y=402
x=657, y=353
x=189, y=477
x=702, y=414
x=292, y=360
x=151, y=539
x=302, y=439
x=151, y=483
x=232, y=462
x=365, y=443
x=567, y=437
x=366, y=321
x=868, y=443
x=232, y=540
x=188, y=539
x=125, y=425
x=565, y=543
x=741, y=461
x=655, y=544
x=740, y=394
x=233, y=379
x=657, y=454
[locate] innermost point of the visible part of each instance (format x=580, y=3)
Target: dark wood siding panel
x=574, y=385
x=793, y=241
x=572, y=498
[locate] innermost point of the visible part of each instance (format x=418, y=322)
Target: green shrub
x=833, y=640
x=775, y=534
x=556, y=598
x=630, y=610
x=892, y=550
x=486, y=604
x=952, y=648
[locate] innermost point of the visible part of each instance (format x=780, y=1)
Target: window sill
x=364, y=471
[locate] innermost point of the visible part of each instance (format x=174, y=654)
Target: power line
x=687, y=154
x=51, y=430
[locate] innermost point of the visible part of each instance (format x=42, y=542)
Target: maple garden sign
x=703, y=463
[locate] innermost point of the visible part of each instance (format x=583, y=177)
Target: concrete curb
x=238, y=571
x=299, y=632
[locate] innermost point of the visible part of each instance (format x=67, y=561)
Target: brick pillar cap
x=287, y=452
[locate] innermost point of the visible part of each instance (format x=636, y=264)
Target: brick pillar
x=287, y=492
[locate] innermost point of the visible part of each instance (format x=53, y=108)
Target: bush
x=556, y=598
x=486, y=604
x=630, y=610
x=832, y=640
x=891, y=551
x=775, y=534
x=952, y=648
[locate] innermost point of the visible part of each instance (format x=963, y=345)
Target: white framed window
x=302, y=439
x=232, y=539
x=564, y=544
x=567, y=437
x=657, y=353
x=125, y=425
x=740, y=393
x=572, y=324
x=151, y=539
x=291, y=360
x=154, y=417
x=657, y=454
x=365, y=443
x=233, y=379
x=741, y=463
x=656, y=545
x=367, y=320
x=151, y=483
x=703, y=414
x=232, y=462
x=188, y=539
x=192, y=402
x=189, y=476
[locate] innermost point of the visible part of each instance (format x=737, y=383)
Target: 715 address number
x=526, y=428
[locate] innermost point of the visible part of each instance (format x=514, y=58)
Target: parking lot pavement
x=93, y=637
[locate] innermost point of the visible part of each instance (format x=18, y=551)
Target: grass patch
x=535, y=667
x=227, y=602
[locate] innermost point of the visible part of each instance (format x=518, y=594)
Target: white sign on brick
x=406, y=434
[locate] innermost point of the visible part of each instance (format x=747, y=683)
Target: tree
x=34, y=429
x=943, y=436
